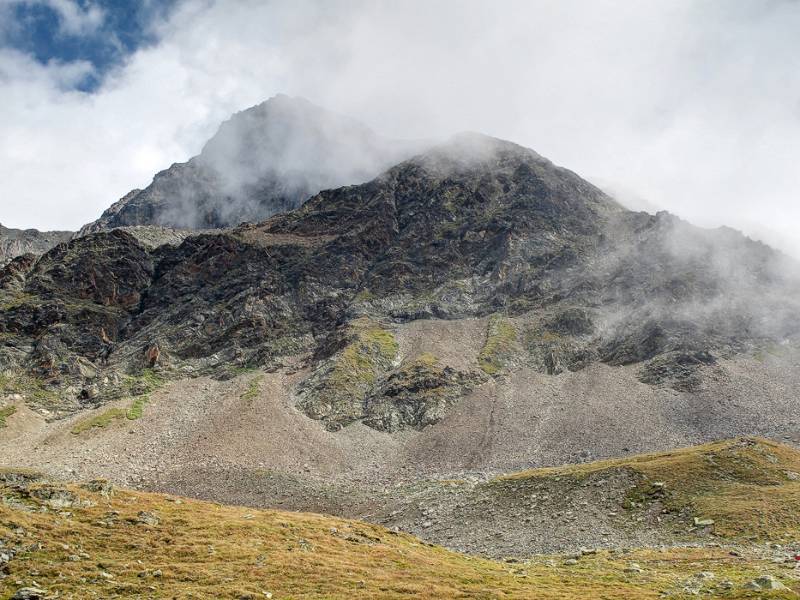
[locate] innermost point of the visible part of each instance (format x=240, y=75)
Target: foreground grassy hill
x=94, y=541
x=742, y=489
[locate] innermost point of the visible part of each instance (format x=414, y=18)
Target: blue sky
x=100, y=32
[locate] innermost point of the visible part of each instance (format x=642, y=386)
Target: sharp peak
x=289, y=105
x=281, y=99
x=296, y=110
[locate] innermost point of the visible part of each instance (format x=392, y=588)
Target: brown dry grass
x=100, y=548
x=748, y=487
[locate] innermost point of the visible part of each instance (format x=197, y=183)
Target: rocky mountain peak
x=264, y=160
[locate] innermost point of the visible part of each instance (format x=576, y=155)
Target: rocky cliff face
x=264, y=160
x=477, y=227
x=15, y=242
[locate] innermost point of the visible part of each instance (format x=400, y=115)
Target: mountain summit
x=264, y=160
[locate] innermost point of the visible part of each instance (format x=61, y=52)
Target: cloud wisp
x=690, y=107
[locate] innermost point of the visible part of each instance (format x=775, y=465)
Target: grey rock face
x=16, y=242
x=264, y=160
x=471, y=228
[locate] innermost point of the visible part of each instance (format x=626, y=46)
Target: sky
x=688, y=106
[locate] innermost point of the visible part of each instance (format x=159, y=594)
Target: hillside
x=77, y=541
x=739, y=490
x=475, y=227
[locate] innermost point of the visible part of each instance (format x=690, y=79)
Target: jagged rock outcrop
x=265, y=160
x=16, y=242
x=475, y=227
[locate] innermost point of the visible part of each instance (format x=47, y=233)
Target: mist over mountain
x=474, y=227
x=267, y=159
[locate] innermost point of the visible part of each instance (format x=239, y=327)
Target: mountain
x=16, y=242
x=264, y=160
x=471, y=311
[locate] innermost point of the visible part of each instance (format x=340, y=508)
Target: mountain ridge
x=472, y=227
x=16, y=242
x=265, y=159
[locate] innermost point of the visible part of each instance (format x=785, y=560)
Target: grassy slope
x=750, y=488
x=204, y=550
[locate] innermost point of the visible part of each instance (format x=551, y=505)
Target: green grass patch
x=337, y=390
x=426, y=359
x=31, y=388
x=379, y=339
x=500, y=345
x=145, y=382
x=750, y=488
x=253, y=389
x=364, y=296
x=136, y=409
x=11, y=301
x=104, y=419
x=5, y=413
x=361, y=360
x=237, y=371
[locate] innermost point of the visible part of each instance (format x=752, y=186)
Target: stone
x=147, y=518
x=99, y=486
x=705, y=575
x=633, y=568
x=765, y=582
x=29, y=593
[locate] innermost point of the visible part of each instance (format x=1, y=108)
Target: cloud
x=73, y=18
x=693, y=107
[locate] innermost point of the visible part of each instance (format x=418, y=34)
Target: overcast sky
x=690, y=106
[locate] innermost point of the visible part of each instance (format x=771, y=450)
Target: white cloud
x=694, y=107
x=73, y=18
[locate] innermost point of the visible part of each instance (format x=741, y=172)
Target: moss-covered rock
x=500, y=345
x=416, y=395
x=551, y=352
x=361, y=383
x=336, y=391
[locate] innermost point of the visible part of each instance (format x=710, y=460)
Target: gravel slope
x=213, y=440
